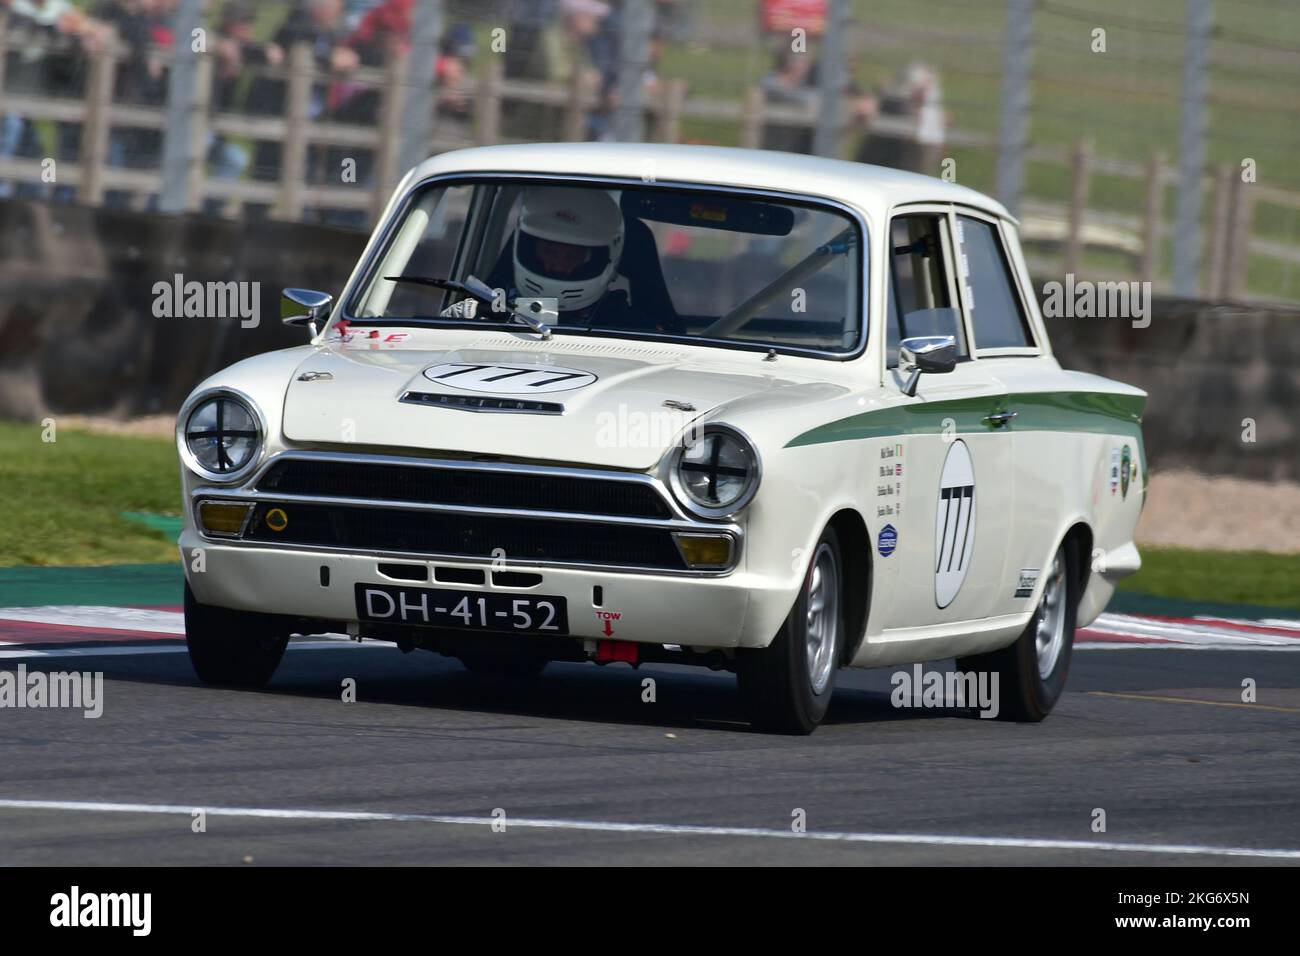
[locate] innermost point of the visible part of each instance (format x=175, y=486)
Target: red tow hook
x=610, y=651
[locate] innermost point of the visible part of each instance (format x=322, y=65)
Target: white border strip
x=1166, y=646
x=924, y=839
x=99, y=618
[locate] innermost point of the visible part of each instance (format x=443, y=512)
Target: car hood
x=581, y=402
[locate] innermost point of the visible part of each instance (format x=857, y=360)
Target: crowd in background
x=50, y=42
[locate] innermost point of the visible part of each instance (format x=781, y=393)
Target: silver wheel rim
x=823, y=624
x=1049, y=636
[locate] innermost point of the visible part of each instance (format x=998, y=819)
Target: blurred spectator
x=791, y=82
x=531, y=49
x=596, y=29
x=912, y=95
x=319, y=24
x=675, y=19
x=455, y=60
x=143, y=27
x=356, y=11
x=51, y=37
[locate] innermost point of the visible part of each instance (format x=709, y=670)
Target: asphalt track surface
x=585, y=772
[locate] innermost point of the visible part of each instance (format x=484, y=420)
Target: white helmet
x=567, y=245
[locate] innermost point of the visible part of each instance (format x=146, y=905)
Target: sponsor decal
x=889, y=490
x=887, y=541
x=1114, y=470
x=954, y=523
x=508, y=379
x=1125, y=471
x=1026, y=581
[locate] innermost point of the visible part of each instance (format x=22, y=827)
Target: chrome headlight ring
x=715, y=471
x=220, y=435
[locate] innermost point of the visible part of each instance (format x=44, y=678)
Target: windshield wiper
x=473, y=287
x=523, y=311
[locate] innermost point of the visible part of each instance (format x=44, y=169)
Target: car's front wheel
x=1032, y=671
x=786, y=687
x=240, y=648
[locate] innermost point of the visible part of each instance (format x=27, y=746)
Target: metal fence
x=1155, y=145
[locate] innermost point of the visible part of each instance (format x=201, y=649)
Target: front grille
x=464, y=487
x=521, y=540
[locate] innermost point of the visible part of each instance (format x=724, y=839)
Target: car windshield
x=639, y=261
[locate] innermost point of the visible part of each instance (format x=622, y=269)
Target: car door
x=1006, y=345
x=1058, y=468
x=950, y=468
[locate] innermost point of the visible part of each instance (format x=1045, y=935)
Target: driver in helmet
x=567, y=247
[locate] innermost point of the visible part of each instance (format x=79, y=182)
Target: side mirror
x=926, y=353
x=304, y=307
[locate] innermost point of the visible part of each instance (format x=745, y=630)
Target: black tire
x=235, y=648
x=509, y=666
x=1025, y=695
x=776, y=683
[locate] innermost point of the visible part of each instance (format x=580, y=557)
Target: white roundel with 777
x=954, y=524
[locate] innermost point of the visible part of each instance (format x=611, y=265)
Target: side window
x=997, y=317
x=920, y=294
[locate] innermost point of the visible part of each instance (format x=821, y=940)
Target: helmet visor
x=561, y=260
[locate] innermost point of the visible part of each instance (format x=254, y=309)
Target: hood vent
x=483, y=403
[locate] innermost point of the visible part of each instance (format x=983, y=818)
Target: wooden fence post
x=95, y=128
x=1154, y=217
x=391, y=112
x=487, y=107
x=751, y=118
x=1081, y=168
x=582, y=95
x=1241, y=221
x=668, y=113
x=293, y=159
x=1217, y=280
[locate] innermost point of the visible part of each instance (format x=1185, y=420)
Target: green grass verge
x=66, y=497
x=1236, y=577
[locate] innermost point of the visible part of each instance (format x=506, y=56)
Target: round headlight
x=716, y=472
x=222, y=437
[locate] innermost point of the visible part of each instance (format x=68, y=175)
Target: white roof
x=872, y=189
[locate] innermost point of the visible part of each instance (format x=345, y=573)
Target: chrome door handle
x=998, y=419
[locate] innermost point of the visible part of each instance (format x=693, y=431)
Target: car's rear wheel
x=1032, y=671
x=518, y=666
x=786, y=687
x=240, y=648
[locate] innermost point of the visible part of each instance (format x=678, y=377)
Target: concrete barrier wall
x=78, y=332
x=1207, y=369
x=77, y=322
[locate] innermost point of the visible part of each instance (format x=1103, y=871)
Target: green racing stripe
x=1097, y=412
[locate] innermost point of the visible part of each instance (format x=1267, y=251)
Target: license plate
x=462, y=610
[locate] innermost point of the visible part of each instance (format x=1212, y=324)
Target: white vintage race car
x=767, y=413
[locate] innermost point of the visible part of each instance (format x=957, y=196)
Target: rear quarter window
x=996, y=312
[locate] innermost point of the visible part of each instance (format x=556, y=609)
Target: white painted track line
x=668, y=829
x=339, y=642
